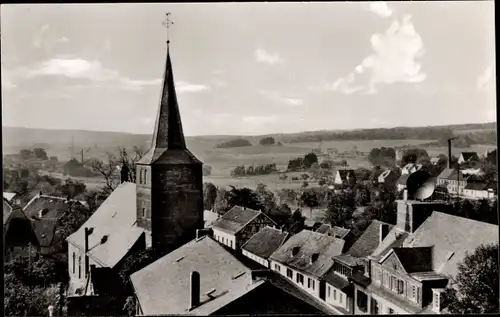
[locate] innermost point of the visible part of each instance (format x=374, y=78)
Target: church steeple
x=168, y=132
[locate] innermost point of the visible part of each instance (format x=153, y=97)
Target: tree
x=296, y=164
x=362, y=196
x=70, y=223
x=244, y=197
x=310, y=159
x=267, y=199
x=70, y=188
x=296, y=222
x=26, y=154
x=382, y=156
x=40, y=153
x=475, y=288
x=267, y=141
x=209, y=196
x=207, y=170
x=130, y=160
x=309, y=198
x=414, y=155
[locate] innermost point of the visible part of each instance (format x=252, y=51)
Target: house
x=262, y=244
x=388, y=178
x=19, y=238
x=452, y=180
x=238, y=225
x=335, y=231
x=305, y=258
x=12, y=198
x=476, y=188
x=416, y=260
x=345, y=177
x=45, y=213
x=468, y=157
x=491, y=156
x=203, y=278
x=114, y=234
x=434, y=160
x=410, y=168
x=339, y=290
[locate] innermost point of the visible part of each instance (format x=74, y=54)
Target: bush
x=234, y=143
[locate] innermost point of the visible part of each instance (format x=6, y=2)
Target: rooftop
x=236, y=219
x=52, y=207
x=309, y=252
x=451, y=174
x=163, y=287
x=368, y=241
x=116, y=220
x=265, y=242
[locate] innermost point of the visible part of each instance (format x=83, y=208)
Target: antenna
x=420, y=185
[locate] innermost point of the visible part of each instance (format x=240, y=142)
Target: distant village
x=154, y=246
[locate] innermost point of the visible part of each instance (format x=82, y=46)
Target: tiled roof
x=265, y=242
x=349, y=260
x=309, y=245
x=394, y=238
x=345, y=173
x=403, y=179
x=451, y=237
x=451, y=174
x=236, y=219
x=415, y=259
x=411, y=168
x=163, y=287
x=45, y=231
x=54, y=207
x=469, y=155
x=6, y=211
x=115, y=219
x=9, y=196
x=476, y=186
x=334, y=231
x=368, y=241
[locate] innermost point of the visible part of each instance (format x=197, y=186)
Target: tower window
x=74, y=260
x=143, y=212
x=140, y=176
x=79, y=267
x=145, y=176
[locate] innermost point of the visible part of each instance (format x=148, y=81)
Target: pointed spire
x=168, y=132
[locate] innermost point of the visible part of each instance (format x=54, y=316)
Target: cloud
x=62, y=40
x=258, y=120
x=393, y=60
x=182, y=86
x=485, y=81
x=279, y=98
x=380, y=8
x=7, y=84
x=39, y=37
x=264, y=56
x=94, y=71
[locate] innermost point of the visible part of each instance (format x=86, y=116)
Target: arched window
x=79, y=267
x=140, y=176
x=74, y=260
x=145, y=176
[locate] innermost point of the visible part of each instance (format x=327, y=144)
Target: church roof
x=168, y=145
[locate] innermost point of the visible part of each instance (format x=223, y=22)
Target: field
x=67, y=144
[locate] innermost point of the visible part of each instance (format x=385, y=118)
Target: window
x=309, y=282
x=140, y=176
x=300, y=278
x=394, y=284
x=362, y=301
x=400, y=287
x=143, y=212
x=289, y=273
x=436, y=301
x=277, y=267
x=340, y=297
x=74, y=260
x=313, y=284
x=328, y=289
x=413, y=292
x=79, y=267
x=375, y=307
x=145, y=176
x=378, y=275
x=334, y=294
x=391, y=311
x=386, y=280
x=231, y=243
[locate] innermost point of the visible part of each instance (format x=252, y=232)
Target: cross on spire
x=167, y=23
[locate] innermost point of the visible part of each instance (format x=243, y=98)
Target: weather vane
x=167, y=24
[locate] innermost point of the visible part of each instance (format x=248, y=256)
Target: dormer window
x=295, y=251
x=314, y=257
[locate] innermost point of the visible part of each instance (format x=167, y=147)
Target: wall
x=225, y=238
x=256, y=258
x=337, y=298
x=283, y=271
x=252, y=228
x=76, y=282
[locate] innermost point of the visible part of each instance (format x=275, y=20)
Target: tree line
x=252, y=170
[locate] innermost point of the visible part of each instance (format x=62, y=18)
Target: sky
x=249, y=68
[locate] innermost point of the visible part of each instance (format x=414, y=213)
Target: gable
x=392, y=262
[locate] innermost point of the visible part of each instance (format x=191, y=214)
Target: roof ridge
x=461, y=218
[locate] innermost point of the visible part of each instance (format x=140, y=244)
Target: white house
x=305, y=258
x=238, y=225
x=262, y=244
x=468, y=157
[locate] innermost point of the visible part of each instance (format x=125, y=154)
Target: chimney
x=124, y=173
x=449, y=153
x=195, y=290
x=383, y=231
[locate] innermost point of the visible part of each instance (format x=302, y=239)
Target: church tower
x=169, y=177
